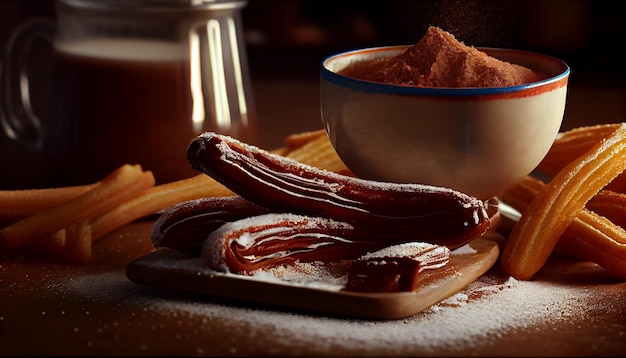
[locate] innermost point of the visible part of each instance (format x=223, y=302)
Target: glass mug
x=133, y=82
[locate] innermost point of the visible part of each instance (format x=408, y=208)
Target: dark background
x=588, y=35
x=287, y=38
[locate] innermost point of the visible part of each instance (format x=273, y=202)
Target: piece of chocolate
x=395, y=268
x=388, y=274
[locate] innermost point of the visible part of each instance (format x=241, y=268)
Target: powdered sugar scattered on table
x=488, y=308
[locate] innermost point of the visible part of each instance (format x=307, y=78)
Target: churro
x=120, y=186
x=19, y=204
x=611, y=205
x=558, y=203
x=572, y=144
x=590, y=237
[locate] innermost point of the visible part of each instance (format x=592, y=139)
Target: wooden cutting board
x=174, y=270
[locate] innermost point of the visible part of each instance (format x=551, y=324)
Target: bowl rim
x=556, y=81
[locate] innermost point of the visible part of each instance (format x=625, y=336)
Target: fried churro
x=559, y=202
x=591, y=236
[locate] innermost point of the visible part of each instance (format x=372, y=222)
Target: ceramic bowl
x=475, y=140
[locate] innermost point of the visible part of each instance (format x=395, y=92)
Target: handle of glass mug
x=17, y=118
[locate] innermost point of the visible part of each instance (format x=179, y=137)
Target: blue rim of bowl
x=376, y=87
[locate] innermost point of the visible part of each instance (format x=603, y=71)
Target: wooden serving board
x=174, y=270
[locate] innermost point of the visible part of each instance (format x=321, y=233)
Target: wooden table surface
x=53, y=309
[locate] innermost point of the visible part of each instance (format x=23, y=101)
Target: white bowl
x=475, y=140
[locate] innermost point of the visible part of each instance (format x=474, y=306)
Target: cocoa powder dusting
x=440, y=60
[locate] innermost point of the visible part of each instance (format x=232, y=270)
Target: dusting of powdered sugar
x=484, y=310
x=329, y=276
